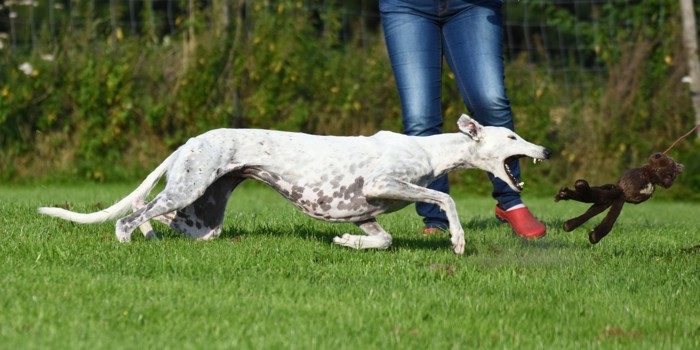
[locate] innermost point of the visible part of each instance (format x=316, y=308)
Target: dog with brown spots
x=332, y=178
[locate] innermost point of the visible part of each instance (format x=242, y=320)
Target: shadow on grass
x=691, y=250
x=411, y=240
x=418, y=242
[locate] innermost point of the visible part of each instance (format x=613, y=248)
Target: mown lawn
x=274, y=280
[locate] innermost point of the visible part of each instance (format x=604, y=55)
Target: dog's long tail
x=117, y=209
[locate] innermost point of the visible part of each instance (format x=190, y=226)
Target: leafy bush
x=108, y=105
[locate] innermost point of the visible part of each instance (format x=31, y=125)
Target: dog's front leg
x=376, y=237
x=406, y=191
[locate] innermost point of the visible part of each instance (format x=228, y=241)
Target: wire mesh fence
x=600, y=75
x=563, y=36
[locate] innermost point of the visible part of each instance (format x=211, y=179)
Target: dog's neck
x=446, y=151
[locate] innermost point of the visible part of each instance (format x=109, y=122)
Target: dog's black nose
x=547, y=153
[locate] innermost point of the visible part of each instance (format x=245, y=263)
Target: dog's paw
x=458, y=244
x=122, y=235
x=123, y=238
x=348, y=240
x=342, y=240
x=458, y=248
x=363, y=242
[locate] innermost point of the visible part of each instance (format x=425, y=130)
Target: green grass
x=274, y=280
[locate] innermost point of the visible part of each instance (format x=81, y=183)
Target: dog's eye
x=512, y=137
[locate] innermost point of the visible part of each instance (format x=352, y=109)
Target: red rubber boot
x=523, y=223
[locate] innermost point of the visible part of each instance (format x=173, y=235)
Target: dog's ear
x=470, y=127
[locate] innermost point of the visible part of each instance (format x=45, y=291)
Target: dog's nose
x=547, y=153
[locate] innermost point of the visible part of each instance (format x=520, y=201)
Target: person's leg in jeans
x=472, y=41
x=415, y=50
x=476, y=59
x=469, y=35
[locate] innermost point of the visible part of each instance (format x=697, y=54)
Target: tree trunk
x=690, y=41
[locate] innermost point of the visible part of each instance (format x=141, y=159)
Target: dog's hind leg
x=160, y=205
x=147, y=230
x=176, y=195
x=196, y=165
x=376, y=237
x=203, y=218
x=146, y=227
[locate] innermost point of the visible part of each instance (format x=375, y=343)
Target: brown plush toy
x=634, y=186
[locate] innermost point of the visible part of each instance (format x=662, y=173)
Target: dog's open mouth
x=518, y=184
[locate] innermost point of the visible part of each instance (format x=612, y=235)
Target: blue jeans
x=469, y=35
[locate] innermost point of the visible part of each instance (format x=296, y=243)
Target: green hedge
x=109, y=109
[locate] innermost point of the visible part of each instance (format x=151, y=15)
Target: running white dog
x=331, y=178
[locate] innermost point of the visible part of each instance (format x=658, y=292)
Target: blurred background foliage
x=104, y=90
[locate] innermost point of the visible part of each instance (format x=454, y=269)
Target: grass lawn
x=274, y=280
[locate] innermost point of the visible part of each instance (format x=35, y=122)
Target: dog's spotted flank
x=331, y=178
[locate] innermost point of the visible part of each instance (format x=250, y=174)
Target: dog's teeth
x=534, y=160
x=521, y=184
